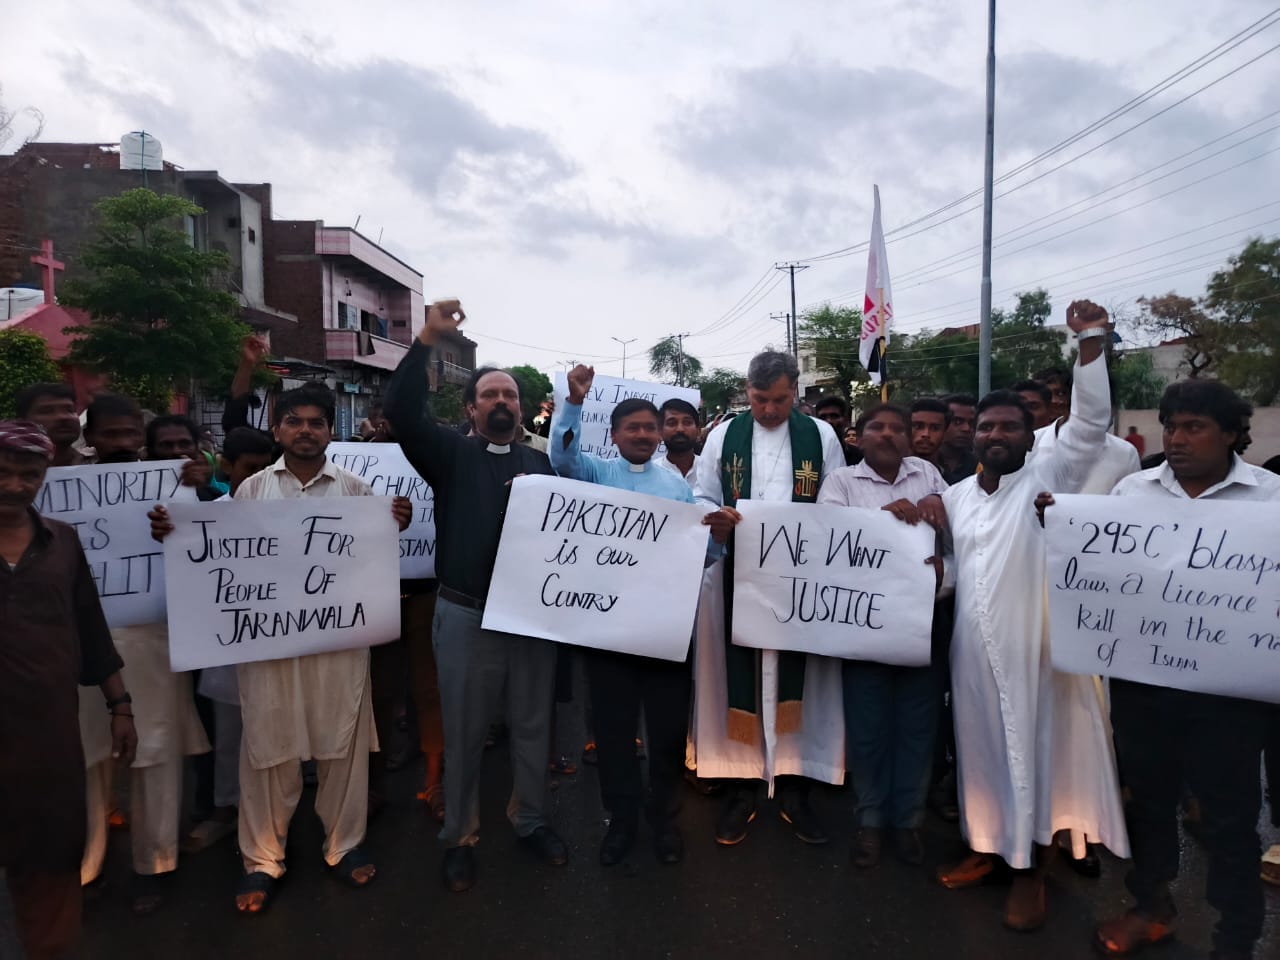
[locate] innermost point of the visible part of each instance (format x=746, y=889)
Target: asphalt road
x=771, y=896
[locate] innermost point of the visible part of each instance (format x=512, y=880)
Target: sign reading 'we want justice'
x=1175, y=593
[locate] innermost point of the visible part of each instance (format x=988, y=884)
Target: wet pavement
x=771, y=896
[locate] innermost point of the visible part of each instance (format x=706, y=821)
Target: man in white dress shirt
x=761, y=715
x=678, y=420
x=1034, y=750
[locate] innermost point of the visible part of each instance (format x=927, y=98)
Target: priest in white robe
x=1034, y=749
x=773, y=453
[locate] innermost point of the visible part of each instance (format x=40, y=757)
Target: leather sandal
x=975, y=869
x=1126, y=935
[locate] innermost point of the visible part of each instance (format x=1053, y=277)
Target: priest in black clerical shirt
x=471, y=478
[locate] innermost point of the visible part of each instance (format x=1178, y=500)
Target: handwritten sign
x=385, y=468
x=107, y=503
x=267, y=579
x=606, y=393
x=1182, y=594
x=598, y=567
x=833, y=580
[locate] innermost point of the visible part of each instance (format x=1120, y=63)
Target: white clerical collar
x=637, y=467
x=499, y=448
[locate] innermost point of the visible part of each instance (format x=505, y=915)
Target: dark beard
x=680, y=444
x=500, y=421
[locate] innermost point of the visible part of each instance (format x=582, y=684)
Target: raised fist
x=443, y=316
x=1083, y=314
x=580, y=379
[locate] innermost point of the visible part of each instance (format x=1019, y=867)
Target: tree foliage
x=720, y=389
x=24, y=360
x=447, y=403
x=1244, y=299
x=1134, y=383
x=832, y=333
x=535, y=386
x=162, y=315
x=1171, y=317
x=669, y=363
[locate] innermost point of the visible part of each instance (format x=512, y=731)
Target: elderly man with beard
x=471, y=477
x=1034, y=752
x=622, y=683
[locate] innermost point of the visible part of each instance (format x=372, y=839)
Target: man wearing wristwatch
x=55, y=638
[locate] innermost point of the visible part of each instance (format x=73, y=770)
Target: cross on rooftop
x=48, y=266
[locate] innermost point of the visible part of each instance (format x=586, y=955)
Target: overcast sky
x=577, y=171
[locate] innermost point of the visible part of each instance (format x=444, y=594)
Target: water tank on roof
x=140, y=151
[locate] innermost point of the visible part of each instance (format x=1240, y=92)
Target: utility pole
x=624, y=353
x=679, y=337
x=786, y=319
x=791, y=268
x=984, y=328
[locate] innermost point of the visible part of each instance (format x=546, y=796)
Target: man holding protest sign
x=891, y=712
x=471, y=477
x=620, y=683
x=55, y=636
x=1166, y=736
x=1033, y=750
x=795, y=730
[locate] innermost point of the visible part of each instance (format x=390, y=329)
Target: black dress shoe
x=796, y=811
x=1090, y=865
x=668, y=845
x=617, y=843
x=458, y=869
x=910, y=847
x=547, y=847
x=731, y=828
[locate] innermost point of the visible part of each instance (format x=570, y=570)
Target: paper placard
x=834, y=580
x=598, y=567
x=385, y=468
x=606, y=393
x=267, y=579
x=107, y=503
x=1176, y=593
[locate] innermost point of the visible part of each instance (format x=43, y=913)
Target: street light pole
x=624, y=353
x=984, y=328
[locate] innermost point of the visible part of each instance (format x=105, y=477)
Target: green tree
x=719, y=389
x=832, y=333
x=162, y=314
x=447, y=403
x=1171, y=317
x=24, y=360
x=535, y=387
x=933, y=364
x=1134, y=383
x=1244, y=299
x=669, y=363
x=1021, y=344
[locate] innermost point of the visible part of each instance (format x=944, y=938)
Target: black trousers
x=1214, y=744
x=1271, y=754
x=620, y=684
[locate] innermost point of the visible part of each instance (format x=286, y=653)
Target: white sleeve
x=706, y=483
x=1083, y=436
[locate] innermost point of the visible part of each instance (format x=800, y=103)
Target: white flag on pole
x=877, y=309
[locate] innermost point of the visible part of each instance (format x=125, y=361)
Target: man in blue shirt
x=621, y=682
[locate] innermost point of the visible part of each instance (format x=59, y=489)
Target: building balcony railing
x=447, y=372
x=356, y=346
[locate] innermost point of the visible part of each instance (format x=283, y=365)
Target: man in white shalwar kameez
x=1035, y=754
x=814, y=749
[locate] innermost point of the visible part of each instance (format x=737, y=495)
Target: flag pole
x=884, y=345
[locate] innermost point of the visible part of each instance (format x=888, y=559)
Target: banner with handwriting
x=598, y=567
x=107, y=503
x=606, y=393
x=1176, y=593
x=267, y=579
x=834, y=580
x=385, y=468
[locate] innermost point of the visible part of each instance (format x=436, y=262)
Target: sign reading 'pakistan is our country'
x=832, y=580
x=267, y=579
x=606, y=393
x=107, y=503
x=1175, y=593
x=385, y=468
x=598, y=567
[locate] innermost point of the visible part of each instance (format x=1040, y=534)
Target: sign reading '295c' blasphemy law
x=1176, y=593
x=256, y=580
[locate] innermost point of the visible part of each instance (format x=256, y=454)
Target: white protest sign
x=107, y=503
x=1176, y=593
x=598, y=567
x=606, y=393
x=834, y=580
x=267, y=579
x=385, y=468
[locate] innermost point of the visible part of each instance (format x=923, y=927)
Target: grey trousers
x=476, y=667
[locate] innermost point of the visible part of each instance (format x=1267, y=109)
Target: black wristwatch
x=115, y=702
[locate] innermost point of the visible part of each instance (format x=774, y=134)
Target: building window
x=253, y=236
x=347, y=317
x=806, y=364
